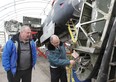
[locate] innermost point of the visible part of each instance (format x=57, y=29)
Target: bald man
x=57, y=57
x=19, y=56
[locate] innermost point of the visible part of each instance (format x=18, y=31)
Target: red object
x=41, y=53
x=33, y=32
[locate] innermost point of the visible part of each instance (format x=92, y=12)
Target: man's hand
x=72, y=62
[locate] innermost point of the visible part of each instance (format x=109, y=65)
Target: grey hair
x=52, y=37
x=24, y=27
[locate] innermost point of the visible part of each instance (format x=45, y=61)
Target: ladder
x=73, y=31
x=107, y=72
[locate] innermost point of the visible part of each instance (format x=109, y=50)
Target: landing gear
x=93, y=30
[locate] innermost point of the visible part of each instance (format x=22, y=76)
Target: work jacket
x=11, y=54
x=57, y=56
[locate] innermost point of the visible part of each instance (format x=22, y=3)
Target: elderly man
x=57, y=57
x=19, y=56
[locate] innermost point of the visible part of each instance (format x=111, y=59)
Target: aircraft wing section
x=48, y=30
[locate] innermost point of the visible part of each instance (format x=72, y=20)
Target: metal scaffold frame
x=95, y=48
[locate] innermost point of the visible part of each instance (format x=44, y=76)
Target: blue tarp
x=76, y=79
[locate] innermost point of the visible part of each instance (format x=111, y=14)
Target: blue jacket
x=11, y=52
x=57, y=57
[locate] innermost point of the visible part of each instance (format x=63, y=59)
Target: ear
x=51, y=42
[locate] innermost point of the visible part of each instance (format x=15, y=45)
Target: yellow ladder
x=73, y=31
x=69, y=72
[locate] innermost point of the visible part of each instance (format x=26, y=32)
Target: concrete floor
x=39, y=74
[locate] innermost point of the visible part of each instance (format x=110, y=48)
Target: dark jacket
x=57, y=57
x=11, y=54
